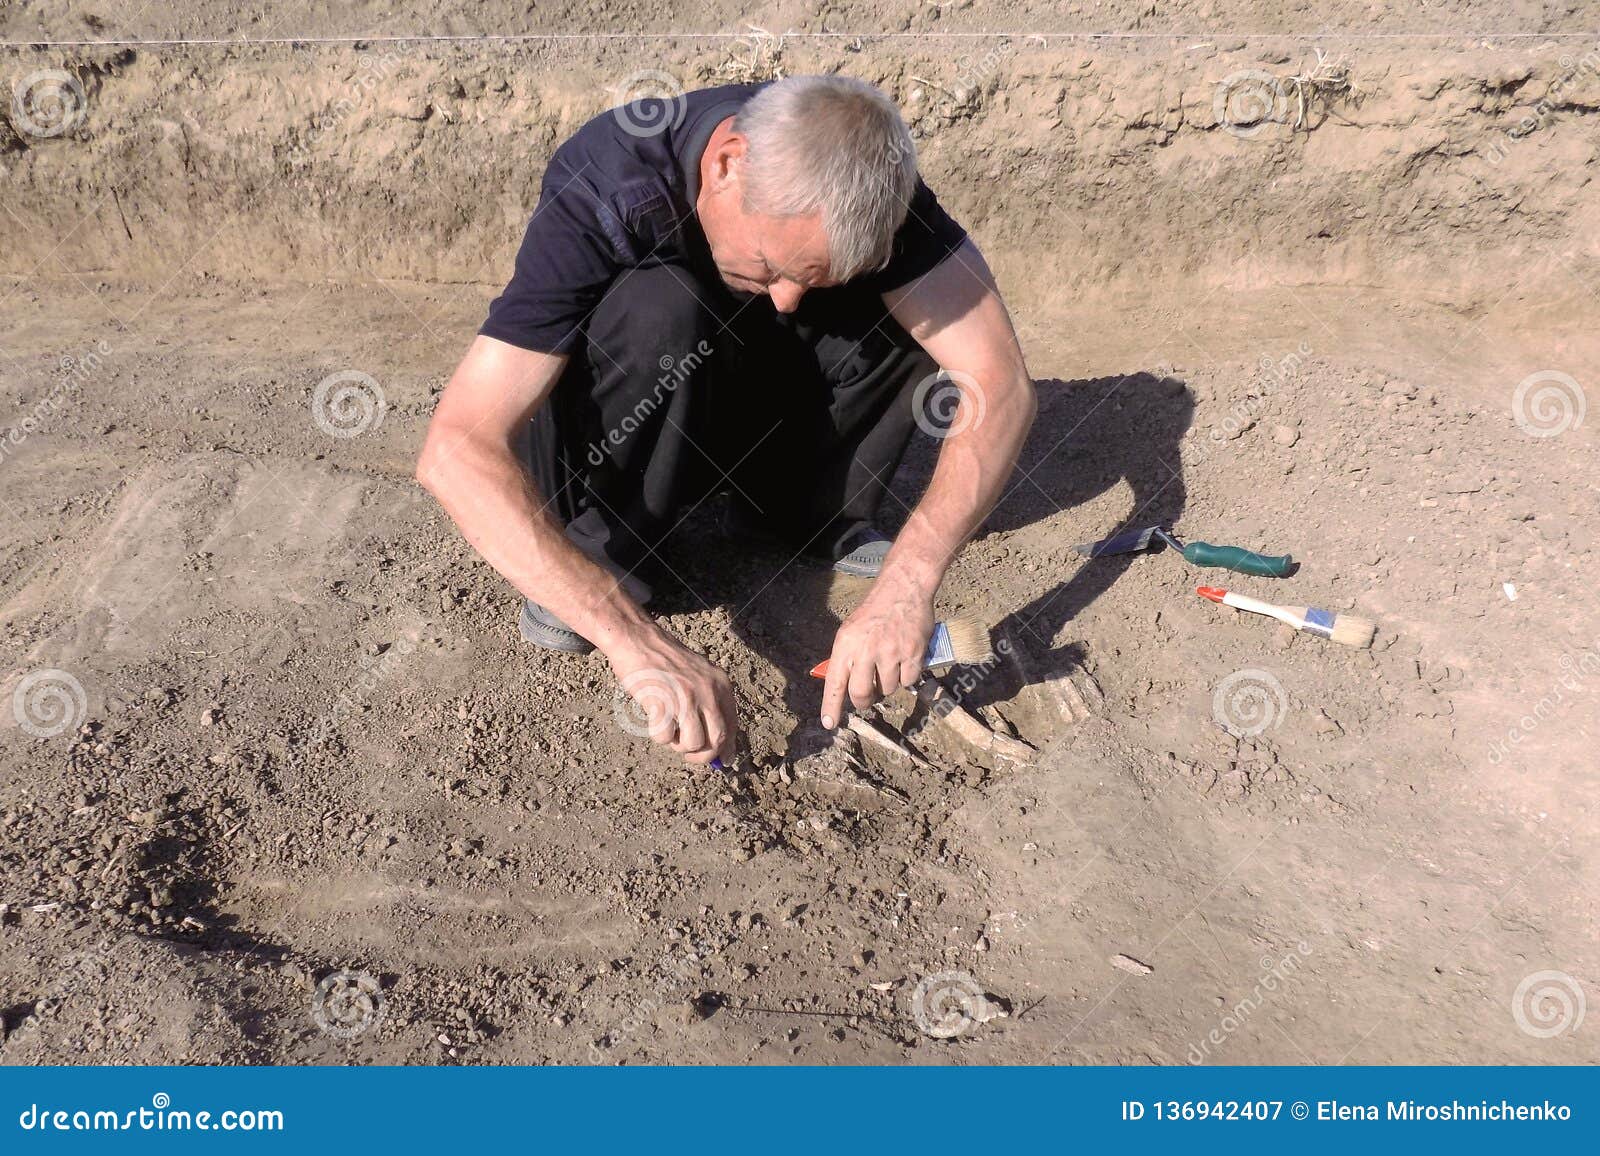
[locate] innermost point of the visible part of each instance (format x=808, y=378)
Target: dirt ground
x=282, y=785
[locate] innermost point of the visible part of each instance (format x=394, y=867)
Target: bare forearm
x=973, y=468
x=468, y=463
x=501, y=513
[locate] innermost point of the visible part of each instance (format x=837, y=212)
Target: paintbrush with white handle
x=1341, y=628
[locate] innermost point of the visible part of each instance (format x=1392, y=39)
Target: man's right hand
x=470, y=464
x=678, y=698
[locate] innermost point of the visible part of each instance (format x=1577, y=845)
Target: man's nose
x=786, y=295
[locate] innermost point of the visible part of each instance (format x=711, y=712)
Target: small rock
x=1285, y=435
x=990, y=1008
x=1130, y=965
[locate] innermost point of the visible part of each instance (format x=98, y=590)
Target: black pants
x=683, y=388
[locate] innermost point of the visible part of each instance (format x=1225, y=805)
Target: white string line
x=873, y=34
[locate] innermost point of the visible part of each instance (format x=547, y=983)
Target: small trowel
x=1233, y=558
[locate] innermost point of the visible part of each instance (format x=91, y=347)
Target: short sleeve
x=567, y=260
x=928, y=236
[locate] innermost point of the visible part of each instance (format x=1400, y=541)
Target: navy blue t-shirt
x=620, y=194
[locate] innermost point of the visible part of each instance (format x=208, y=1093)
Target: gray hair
x=836, y=145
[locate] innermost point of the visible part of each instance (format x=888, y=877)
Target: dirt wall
x=1127, y=162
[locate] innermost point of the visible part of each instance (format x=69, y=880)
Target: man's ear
x=726, y=162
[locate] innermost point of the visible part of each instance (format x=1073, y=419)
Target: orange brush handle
x=821, y=669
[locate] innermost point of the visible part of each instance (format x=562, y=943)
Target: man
x=749, y=289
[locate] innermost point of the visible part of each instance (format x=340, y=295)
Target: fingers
x=863, y=685
x=660, y=722
x=685, y=703
x=910, y=673
x=720, y=741
x=888, y=678
x=709, y=729
x=833, y=689
x=864, y=680
x=691, y=739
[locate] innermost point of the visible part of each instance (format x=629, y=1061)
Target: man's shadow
x=1089, y=436
x=1092, y=436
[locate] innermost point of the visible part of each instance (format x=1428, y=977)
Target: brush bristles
x=969, y=641
x=1356, y=632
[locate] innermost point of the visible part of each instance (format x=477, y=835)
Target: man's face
x=779, y=256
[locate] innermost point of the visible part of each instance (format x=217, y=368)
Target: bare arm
x=469, y=463
x=956, y=314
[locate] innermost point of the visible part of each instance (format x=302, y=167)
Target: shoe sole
x=549, y=637
x=865, y=561
x=858, y=569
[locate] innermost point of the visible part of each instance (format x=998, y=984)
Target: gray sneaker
x=538, y=626
x=542, y=628
x=866, y=560
x=863, y=560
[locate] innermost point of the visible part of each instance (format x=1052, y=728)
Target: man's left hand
x=879, y=648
